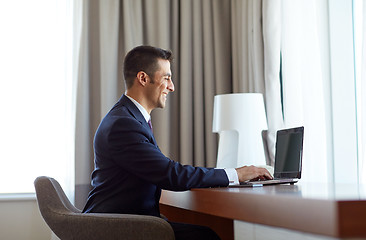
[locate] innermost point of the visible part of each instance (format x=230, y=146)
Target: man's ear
x=142, y=78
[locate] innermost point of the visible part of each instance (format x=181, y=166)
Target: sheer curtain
x=272, y=39
x=305, y=67
x=362, y=94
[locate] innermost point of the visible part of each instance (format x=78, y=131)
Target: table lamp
x=239, y=119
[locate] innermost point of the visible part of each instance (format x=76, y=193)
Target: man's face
x=160, y=85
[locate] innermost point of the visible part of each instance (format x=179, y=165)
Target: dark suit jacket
x=130, y=170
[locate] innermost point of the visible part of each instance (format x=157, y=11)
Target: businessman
x=130, y=170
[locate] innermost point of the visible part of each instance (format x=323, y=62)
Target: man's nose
x=171, y=86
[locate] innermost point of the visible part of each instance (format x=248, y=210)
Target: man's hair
x=143, y=58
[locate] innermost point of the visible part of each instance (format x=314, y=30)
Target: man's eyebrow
x=167, y=75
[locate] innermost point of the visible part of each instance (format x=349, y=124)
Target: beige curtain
x=98, y=86
x=247, y=42
x=198, y=32
x=218, y=49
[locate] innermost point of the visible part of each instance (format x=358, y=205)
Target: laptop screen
x=288, y=157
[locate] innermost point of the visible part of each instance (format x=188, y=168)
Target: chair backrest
x=53, y=204
x=51, y=197
x=67, y=222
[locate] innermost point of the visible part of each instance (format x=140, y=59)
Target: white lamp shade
x=239, y=119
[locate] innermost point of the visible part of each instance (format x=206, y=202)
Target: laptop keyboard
x=271, y=181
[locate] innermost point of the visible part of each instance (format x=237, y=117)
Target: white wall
x=20, y=219
x=250, y=231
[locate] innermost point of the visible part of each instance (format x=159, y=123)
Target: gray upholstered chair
x=67, y=222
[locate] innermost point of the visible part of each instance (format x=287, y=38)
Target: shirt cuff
x=232, y=175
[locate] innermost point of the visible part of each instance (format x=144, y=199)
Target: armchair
x=68, y=222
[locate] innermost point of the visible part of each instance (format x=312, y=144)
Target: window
x=343, y=84
x=35, y=92
x=322, y=58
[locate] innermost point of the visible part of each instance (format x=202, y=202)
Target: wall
x=250, y=231
x=20, y=219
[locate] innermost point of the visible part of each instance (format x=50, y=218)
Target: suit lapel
x=135, y=112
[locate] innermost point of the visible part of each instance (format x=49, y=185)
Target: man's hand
x=251, y=172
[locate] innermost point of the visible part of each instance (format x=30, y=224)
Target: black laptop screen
x=289, y=153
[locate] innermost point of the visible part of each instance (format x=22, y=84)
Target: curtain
x=272, y=39
x=204, y=70
x=98, y=86
x=247, y=42
x=284, y=54
x=305, y=71
x=198, y=33
x=362, y=130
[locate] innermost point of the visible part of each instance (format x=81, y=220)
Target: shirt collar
x=141, y=108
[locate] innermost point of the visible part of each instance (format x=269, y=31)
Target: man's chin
x=162, y=104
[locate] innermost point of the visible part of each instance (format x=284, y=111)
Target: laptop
x=288, y=159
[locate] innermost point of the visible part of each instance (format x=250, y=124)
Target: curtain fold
x=272, y=29
x=203, y=64
x=194, y=32
x=97, y=84
x=303, y=82
x=362, y=160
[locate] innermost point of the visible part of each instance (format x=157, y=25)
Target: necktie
x=150, y=125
